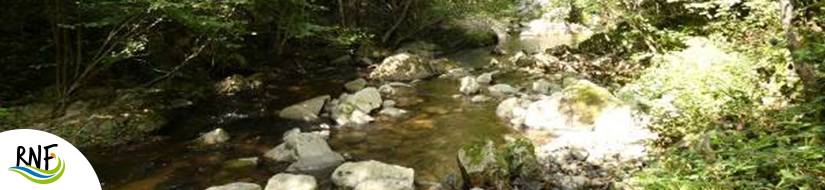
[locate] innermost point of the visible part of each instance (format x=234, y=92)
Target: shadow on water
x=173, y=161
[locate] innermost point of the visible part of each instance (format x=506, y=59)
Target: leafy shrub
x=720, y=130
x=696, y=86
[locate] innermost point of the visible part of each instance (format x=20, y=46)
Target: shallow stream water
x=427, y=139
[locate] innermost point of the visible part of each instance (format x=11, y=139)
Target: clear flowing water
x=426, y=140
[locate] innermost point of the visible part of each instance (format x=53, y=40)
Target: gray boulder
x=237, y=186
x=309, y=153
x=469, y=85
x=365, y=100
x=305, y=111
x=355, y=108
x=291, y=182
x=373, y=175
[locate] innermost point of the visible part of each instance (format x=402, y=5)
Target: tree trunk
x=398, y=22
x=805, y=71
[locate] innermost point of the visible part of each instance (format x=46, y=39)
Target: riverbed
x=426, y=139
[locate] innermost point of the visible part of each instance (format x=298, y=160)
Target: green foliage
x=729, y=108
x=788, y=157
x=695, y=87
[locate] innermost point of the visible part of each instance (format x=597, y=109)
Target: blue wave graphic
x=30, y=172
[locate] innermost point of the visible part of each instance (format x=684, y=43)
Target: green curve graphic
x=52, y=171
x=45, y=181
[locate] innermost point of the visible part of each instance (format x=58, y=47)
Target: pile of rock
x=347, y=109
x=355, y=108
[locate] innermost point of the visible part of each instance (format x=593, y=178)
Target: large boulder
x=305, y=111
x=291, y=182
x=373, y=175
x=577, y=107
x=355, y=108
x=403, y=67
x=309, y=153
x=236, y=186
x=480, y=166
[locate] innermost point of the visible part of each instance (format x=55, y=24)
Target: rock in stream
x=308, y=152
x=373, y=175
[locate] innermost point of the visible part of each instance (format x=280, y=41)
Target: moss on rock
x=585, y=101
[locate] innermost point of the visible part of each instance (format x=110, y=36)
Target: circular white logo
x=40, y=160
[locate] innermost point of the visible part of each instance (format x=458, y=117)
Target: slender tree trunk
x=398, y=22
x=341, y=13
x=805, y=71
